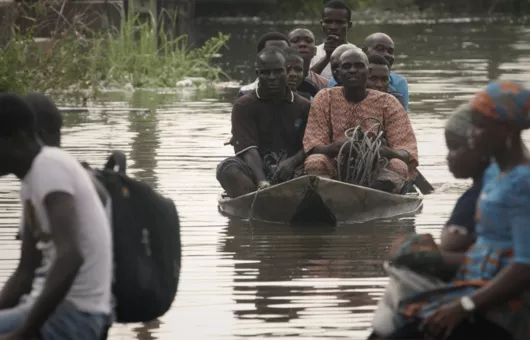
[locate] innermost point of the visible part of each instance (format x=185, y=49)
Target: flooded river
x=243, y=280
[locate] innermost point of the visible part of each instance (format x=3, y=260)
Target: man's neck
x=25, y=162
x=273, y=97
x=306, y=67
x=509, y=159
x=355, y=94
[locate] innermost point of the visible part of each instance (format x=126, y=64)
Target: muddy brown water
x=242, y=280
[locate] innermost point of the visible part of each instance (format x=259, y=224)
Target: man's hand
x=331, y=43
x=334, y=148
x=285, y=169
x=442, y=322
x=386, y=152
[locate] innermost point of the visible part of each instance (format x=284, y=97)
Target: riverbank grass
x=136, y=55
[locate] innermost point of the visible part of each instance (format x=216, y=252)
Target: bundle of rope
x=359, y=161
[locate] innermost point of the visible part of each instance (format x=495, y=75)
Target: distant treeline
x=449, y=6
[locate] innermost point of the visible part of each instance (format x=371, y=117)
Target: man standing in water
x=382, y=44
x=269, y=122
x=304, y=40
x=63, y=217
x=335, y=23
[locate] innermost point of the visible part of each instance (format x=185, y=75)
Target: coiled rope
x=359, y=161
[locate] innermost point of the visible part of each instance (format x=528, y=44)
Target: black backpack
x=147, y=249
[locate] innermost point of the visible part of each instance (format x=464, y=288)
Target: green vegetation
x=135, y=54
x=453, y=7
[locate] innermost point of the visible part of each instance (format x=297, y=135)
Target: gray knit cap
x=460, y=121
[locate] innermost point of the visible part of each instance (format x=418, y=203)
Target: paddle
x=423, y=184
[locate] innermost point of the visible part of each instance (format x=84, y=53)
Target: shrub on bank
x=136, y=54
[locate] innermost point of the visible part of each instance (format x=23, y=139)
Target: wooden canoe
x=317, y=199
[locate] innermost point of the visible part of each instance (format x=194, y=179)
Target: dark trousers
x=480, y=329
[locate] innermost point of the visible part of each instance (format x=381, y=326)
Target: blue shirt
x=399, y=84
x=503, y=236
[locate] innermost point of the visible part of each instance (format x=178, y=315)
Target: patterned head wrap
x=460, y=121
x=504, y=101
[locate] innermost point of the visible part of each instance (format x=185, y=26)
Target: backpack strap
x=117, y=158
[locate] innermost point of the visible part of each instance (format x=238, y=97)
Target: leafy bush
x=136, y=53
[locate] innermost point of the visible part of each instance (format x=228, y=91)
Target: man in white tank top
x=63, y=218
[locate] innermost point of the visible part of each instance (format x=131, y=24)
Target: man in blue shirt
x=382, y=44
x=379, y=76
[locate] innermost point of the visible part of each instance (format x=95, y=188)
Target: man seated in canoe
x=382, y=44
x=303, y=40
x=379, y=76
x=338, y=109
x=334, y=63
x=267, y=130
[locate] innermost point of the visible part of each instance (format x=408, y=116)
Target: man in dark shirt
x=268, y=125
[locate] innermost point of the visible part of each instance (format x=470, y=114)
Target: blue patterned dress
x=503, y=237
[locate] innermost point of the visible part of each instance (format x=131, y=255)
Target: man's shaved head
x=334, y=59
x=380, y=43
x=376, y=38
x=335, y=56
x=301, y=30
x=354, y=52
x=271, y=51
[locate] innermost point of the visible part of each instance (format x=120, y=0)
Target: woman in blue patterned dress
x=489, y=296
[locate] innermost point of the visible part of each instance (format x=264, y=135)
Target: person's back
x=55, y=170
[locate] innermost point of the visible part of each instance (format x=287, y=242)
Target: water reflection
x=285, y=273
x=145, y=143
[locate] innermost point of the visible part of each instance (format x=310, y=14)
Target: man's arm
x=20, y=281
x=389, y=154
x=330, y=150
x=317, y=136
x=399, y=134
x=61, y=211
x=253, y=159
x=245, y=137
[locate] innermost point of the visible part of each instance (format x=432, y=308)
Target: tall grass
x=136, y=53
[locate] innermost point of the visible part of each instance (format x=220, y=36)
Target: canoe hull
x=317, y=199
